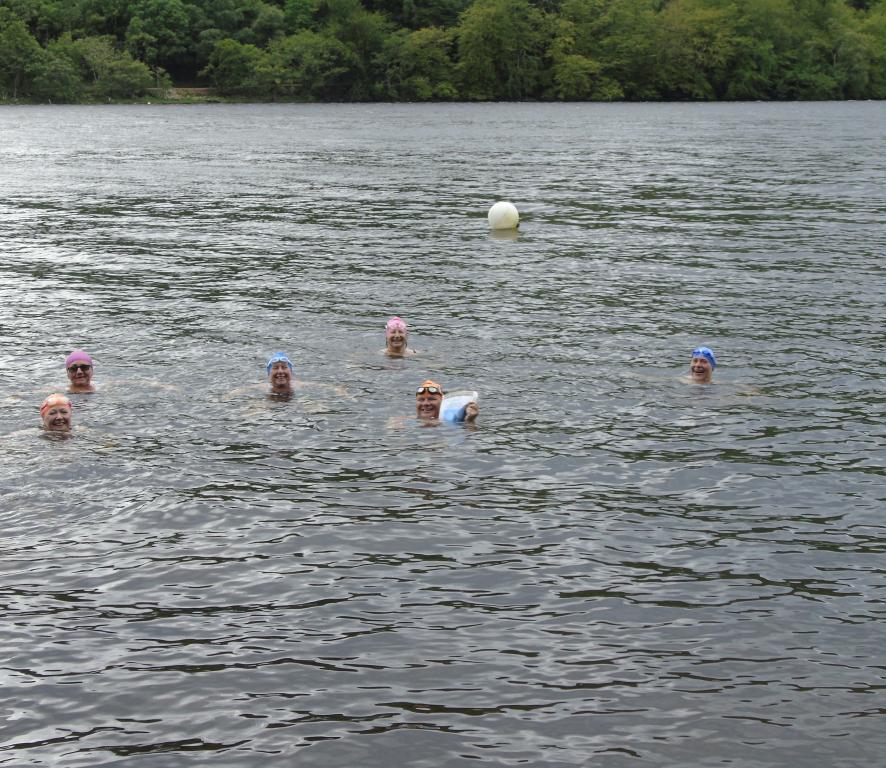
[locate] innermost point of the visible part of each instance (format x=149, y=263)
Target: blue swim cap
x=707, y=353
x=278, y=357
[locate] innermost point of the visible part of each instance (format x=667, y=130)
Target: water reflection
x=504, y=234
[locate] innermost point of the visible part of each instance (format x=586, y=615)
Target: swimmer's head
x=702, y=365
x=55, y=411
x=279, y=370
x=428, y=399
x=394, y=325
x=79, y=367
x=707, y=353
x=396, y=335
x=278, y=357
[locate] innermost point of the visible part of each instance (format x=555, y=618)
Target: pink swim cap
x=78, y=356
x=395, y=324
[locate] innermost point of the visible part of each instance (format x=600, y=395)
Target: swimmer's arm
x=243, y=390
x=153, y=383
x=20, y=433
x=472, y=411
x=339, y=390
x=156, y=384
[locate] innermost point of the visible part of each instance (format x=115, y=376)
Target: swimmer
x=56, y=413
x=79, y=367
x=429, y=398
x=396, y=336
x=279, y=370
x=282, y=386
x=701, y=367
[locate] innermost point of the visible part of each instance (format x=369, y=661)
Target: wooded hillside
x=419, y=50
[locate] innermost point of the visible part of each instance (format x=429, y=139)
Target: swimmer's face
x=397, y=340
x=280, y=375
x=80, y=374
x=700, y=369
x=57, y=419
x=427, y=404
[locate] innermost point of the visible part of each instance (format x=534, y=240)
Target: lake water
x=614, y=568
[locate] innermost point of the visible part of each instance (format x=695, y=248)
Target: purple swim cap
x=78, y=356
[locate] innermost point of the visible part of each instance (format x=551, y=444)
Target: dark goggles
x=79, y=367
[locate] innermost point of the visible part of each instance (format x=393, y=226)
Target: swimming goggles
x=429, y=390
x=79, y=367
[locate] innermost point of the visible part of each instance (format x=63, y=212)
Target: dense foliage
x=348, y=50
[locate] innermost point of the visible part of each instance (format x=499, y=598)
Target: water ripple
x=613, y=567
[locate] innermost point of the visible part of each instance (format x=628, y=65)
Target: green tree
x=270, y=22
x=500, y=48
x=45, y=19
x=103, y=17
x=435, y=13
x=619, y=35
x=205, y=44
x=364, y=32
x=159, y=34
x=693, y=46
x=307, y=66
x=125, y=79
x=762, y=34
x=232, y=66
x=108, y=72
x=419, y=65
x=55, y=78
x=226, y=15
x=300, y=14
x=20, y=55
x=575, y=74
x=873, y=26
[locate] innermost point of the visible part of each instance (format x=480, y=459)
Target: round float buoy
x=503, y=215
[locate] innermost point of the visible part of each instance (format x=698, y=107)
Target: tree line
x=423, y=50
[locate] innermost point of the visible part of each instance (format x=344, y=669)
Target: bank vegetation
x=437, y=50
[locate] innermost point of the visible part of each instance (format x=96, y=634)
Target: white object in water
x=503, y=215
x=453, y=406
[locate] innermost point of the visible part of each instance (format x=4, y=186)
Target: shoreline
x=189, y=96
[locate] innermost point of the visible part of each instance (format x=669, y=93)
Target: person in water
x=429, y=399
x=701, y=367
x=56, y=412
x=396, y=337
x=279, y=370
x=79, y=367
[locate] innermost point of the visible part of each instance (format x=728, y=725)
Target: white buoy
x=503, y=215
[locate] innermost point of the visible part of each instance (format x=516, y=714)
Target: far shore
x=205, y=95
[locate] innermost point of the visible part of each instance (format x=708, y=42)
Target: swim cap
x=430, y=383
x=278, y=357
x=395, y=324
x=707, y=353
x=53, y=401
x=78, y=356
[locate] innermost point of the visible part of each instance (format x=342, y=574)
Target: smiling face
x=396, y=341
x=700, y=369
x=280, y=376
x=57, y=418
x=80, y=375
x=428, y=402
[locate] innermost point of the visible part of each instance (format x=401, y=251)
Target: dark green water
x=615, y=568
